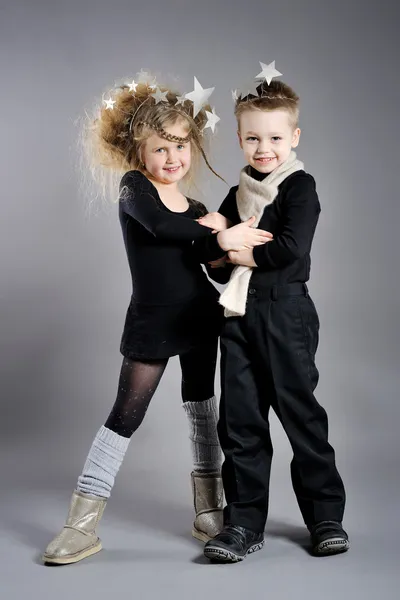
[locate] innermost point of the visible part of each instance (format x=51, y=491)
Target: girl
x=149, y=134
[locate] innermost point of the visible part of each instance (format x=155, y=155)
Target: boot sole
x=217, y=554
x=331, y=546
x=73, y=558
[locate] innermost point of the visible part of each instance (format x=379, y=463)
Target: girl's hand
x=242, y=257
x=215, y=221
x=220, y=262
x=243, y=236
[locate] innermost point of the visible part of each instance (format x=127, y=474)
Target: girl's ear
x=240, y=139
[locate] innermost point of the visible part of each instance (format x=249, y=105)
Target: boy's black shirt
x=292, y=219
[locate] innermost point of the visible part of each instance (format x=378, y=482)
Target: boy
x=270, y=337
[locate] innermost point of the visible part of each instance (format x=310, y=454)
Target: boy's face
x=266, y=138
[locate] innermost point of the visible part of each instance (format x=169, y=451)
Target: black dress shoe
x=233, y=544
x=328, y=537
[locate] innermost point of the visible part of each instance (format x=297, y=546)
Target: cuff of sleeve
x=214, y=248
x=259, y=255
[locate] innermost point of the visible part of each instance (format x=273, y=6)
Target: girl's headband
x=199, y=98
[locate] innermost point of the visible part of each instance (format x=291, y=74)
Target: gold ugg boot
x=208, y=499
x=78, y=538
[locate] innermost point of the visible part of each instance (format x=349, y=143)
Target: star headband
x=254, y=88
x=199, y=98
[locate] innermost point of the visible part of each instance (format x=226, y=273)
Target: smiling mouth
x=172, y=169
x=265, y=160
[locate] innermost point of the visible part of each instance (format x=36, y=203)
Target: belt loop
x=274, y=292
x=305, y=290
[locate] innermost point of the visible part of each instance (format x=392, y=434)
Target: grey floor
x=149, y=553
x=64, y=290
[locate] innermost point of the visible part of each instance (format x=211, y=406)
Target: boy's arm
x=301, y=212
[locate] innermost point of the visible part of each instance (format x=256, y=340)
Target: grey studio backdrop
x=65, y=287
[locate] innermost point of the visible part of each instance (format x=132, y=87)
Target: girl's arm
x=208, y=249
x=138, y=198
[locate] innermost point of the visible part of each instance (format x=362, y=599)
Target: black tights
x=139, y=380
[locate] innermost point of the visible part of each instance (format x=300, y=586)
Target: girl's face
x=266, y=138
x=167, y=162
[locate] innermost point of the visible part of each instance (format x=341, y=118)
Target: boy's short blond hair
x=275, y=96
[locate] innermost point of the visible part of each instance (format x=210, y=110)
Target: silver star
x=180, y=100
x=235, y=95
x=132, y=86
x=199, y=96
x=268, y=72
x=249, y=89
x=160, y=96
x=110, y=103
x=212, y=120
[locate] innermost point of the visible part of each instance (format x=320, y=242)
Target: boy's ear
x=296, y=137
x=240, y=139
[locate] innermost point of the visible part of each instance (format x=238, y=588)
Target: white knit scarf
x=252, y=197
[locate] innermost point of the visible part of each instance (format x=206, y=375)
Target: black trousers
x=267, y=360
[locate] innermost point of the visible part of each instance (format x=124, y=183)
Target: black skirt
x=161, y=331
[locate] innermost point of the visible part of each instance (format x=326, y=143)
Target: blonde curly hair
x=112, y=142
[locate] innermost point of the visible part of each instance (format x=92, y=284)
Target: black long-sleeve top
x=164, y=248
x=292, y=219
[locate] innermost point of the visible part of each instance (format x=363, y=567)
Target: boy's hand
x=242, y=236
x=242, y=257
x=215, y=221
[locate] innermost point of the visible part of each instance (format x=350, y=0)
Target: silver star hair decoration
x=110, y=103
x=212, y=120
x=268, y=72
x=235, y=95
x=180, y=100
x=249, y=89
x=199, y=96
x=132, y=86
x=160, y=96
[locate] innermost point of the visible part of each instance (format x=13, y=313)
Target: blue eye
x=181, y=146
x=159, y=150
